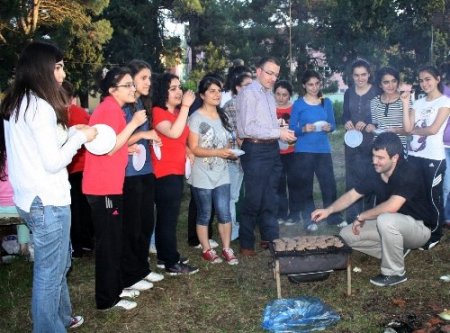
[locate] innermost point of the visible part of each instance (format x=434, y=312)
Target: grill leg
x=349, y=276
x=277, y=277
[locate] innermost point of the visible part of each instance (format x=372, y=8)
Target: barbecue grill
x=314, y=261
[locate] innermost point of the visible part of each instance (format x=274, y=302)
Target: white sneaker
x=130, y=293
x=125, y=304
x=312, y=227
x=289, y=222
x=141, y=285
x=152, y=249
x=280, y=221
x=154, y=277
x=342, y=224
x=212, y=244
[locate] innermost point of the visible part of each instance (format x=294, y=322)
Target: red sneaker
x=229, y=256
x=211, y=256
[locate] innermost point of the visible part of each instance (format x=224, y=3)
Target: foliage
x=70, y=24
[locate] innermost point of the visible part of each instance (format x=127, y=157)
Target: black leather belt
x=262, y=141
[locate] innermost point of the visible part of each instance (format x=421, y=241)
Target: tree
x=68, y=23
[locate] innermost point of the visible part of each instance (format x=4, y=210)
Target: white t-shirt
x=38, y=152
x=432, y=146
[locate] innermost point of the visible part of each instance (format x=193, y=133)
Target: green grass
x=223, y=298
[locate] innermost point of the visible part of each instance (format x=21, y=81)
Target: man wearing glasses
x=259, y=131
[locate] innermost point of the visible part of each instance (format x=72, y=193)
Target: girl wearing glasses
x=387, y=108
x=39, y=145
x=139, y=185
x=208, y=140
x=312, y=118
x=426, y=121
x=103, y=179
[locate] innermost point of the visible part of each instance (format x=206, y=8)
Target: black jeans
x=168, y=194
x=82, y=228
x=138, y=223
x=107, y=216
x=288, y=194
x=321, y=165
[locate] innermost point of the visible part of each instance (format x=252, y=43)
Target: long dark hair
x=433, y=71
x=34, y=74
x=112, y=79
x=135, y=67
x=310, y=74
x=387, y=71
x=204, y=85
x=160, y=91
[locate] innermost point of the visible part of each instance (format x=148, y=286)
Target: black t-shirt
x=406, y=182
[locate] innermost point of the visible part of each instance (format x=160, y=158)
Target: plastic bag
x=10, y=244
x=298, y=315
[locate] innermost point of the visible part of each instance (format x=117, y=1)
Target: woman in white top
x=39, y=146
x=426, y=122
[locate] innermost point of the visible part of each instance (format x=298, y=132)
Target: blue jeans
x=205, y=198
x=262, y=169
x=50, y=305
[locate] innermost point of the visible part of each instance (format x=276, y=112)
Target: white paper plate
x=157, y=151
x=139, y=158
x=187, y=168
x=353, y=138
x=104, y=142
x=378, y=131
x=283, y=144
x=319, y=125
x=237, y=152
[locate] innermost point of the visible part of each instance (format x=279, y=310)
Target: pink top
x=6, y=192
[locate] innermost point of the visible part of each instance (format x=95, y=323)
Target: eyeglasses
x=270, y=73
x=126, y=85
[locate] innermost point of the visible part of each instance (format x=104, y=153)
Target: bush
x=338, y=108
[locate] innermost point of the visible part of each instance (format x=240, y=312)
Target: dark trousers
x=107, y=216
x=82, y=228
x=433, y=172
x=321, y=165
x=192, y=222
x=168, y=194
x=358, y=165
x=138, y=223
x=288, y=195
x=262, y=168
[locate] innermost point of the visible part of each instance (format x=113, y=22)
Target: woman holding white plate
x=312, y=118
x=103, y=179
x=139, y=185
x=209, y=137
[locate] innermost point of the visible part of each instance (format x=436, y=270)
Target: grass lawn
x=223, y=298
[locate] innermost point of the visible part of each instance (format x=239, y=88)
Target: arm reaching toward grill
x=340, y=204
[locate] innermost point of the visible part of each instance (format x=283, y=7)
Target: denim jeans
x=262, y=168
x=50, y=304
x=236, y=177
x=321, y=165
x=205, y=198
x=288, y=194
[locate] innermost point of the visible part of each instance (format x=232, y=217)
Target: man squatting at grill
x=400, y=221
